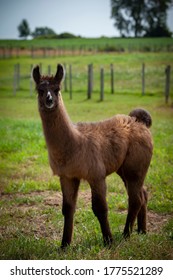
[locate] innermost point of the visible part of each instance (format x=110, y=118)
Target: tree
x=156, y=16
x=43, y=32
x=23, y=28
x=140, y=17
x=128, y=15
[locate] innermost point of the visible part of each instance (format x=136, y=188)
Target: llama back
x=106, y=142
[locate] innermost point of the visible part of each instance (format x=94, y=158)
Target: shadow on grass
x=31, y=248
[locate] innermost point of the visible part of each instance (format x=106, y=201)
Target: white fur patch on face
x=49, y=100
x=49, y=95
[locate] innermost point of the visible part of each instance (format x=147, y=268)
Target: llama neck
x=58, y=129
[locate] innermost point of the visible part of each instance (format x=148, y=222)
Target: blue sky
x=88, y=18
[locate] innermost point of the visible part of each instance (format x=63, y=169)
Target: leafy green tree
x=143, y=17
x=43, y=32
x=23, y=28
x=128, y=15
x=156, y=17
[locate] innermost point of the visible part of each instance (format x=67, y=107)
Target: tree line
x=41, y=32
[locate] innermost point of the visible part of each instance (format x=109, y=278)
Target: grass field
x=95, y=44
x=30, y=206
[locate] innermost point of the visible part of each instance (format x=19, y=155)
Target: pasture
x=86, y=45
x=30, y=205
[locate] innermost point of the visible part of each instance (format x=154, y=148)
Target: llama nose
x=49, y=96
x=49, y=100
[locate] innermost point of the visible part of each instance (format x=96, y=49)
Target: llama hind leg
x=142, y=215
x=69, y=191
x=135, y=203
x=100, y=209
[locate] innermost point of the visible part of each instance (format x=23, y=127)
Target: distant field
x=92, y=45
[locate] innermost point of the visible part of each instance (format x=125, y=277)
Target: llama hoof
x=126, y=235
x=108, y=241
x=64, y=245
x=141, y=231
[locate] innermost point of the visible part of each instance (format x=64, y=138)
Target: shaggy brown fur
x=142, y=116
x=91, y=151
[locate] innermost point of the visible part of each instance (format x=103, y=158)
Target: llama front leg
x=69, y=191
x=100, y=209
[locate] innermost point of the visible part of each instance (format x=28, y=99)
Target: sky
x=87, y=18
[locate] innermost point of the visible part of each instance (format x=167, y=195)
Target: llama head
x=48, y=88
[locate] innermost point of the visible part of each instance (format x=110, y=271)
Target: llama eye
x=56, y=91
x=41, y=92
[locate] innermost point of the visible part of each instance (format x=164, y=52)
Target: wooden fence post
x=49, y=70
x=40, y=65
x=18, y=76
x=112, y=78
x=31, y=81
x=101, y=84
x=90, y=80
x=65, y=80
x=167, y=83
x=70, y=80
x=16, y=81
x=143, y=78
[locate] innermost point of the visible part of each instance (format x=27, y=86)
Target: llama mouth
x=49, y=105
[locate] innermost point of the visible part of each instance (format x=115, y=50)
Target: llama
x=92, y=151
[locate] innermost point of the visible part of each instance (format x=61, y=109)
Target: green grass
x=30, y=219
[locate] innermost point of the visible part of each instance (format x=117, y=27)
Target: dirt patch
x=32, y=211
x=156, y=221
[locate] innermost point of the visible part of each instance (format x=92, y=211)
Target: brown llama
x=92, y=151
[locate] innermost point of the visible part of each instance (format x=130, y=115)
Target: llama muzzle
x=49, y=101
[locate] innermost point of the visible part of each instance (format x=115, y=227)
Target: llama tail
x=141, y=115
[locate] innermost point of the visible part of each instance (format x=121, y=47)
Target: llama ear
x=59, y=73
x=36, y=74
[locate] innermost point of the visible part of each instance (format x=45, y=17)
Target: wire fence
x=91, y=80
